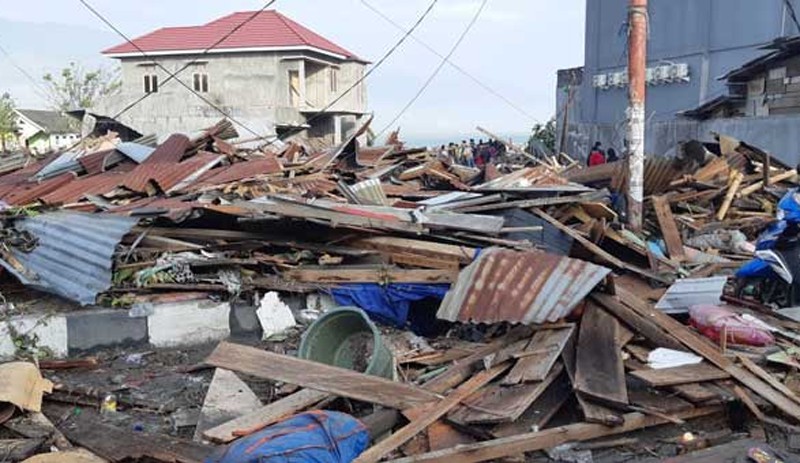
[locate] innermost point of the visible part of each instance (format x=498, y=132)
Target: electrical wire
x=174, y=75
x=792, y=13
x=438, y=68
x=38, y=89
x=455, y=66
x=321, y=112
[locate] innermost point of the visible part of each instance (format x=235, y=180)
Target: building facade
x=41, y=131
x=272, y=77
x=691, y=44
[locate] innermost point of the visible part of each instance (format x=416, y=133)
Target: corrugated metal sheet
x=73, y=257
x=168, y=175
x=172, y=150
x=241, y=170
x=135, y=151
x=27, y=193
x=98, y=162
x=13, y=161
x=371, y=156
x=66, y=162
x=692, y=291
x=531, y=179
x=370, y=192
x=519, y=287
x=92, y=185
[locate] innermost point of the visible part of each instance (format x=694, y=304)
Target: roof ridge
x=290, y=24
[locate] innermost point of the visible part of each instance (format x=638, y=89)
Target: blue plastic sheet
x=315, y=437
x=387, y=304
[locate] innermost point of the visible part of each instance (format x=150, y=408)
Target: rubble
x=532, y=306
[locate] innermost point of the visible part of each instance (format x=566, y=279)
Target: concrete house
x=272, y=74
x=45, y=131
x=691, y=45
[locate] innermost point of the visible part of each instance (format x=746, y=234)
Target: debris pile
x=483, y=313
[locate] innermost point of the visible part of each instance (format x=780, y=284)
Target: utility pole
x=637, y=82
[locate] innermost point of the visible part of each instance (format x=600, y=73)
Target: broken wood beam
x=318, y=376
x=533, y=441
x=747, y=191
x=600, y=372
x=669, y=230
x=733, y=188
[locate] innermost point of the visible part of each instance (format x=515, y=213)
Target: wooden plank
x=117, y=445
x=681, y=375
x=501, y=404
x=708, y=351
x=344, y=274
x=733, y=188
x=541, y=412
x=531, y=442
x=442, y=435
x=264, y=416
x=228, y=397
x=592, y=412
x=747, y=191
x=695, y=393
x=748, y=402
x=768, y=378
x=313, y=375
x=669, y=230
x=431, y=415
x=638, y=323
x=657, y=401
x=600, y=372
x=392, y=245
x=539, y=356
x=596, y=250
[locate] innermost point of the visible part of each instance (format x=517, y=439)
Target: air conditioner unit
x=663, y=73
x=651, y=76
x=617, y=79
x=680, y=72
x=600, y=81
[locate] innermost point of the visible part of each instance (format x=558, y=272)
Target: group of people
x=598, y=156
x=472, y=154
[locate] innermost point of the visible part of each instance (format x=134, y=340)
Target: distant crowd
x=472, y=154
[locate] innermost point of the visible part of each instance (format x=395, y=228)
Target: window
x=334, y=76
x=201, y=82
x=150, y=83
x=294, y=89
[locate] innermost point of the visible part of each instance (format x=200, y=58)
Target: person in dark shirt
x=612, y=155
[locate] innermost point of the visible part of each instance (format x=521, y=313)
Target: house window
x=150, y=83
x=201, y=82
x=294, y=89
x=334, y=74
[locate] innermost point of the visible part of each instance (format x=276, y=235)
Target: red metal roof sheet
x=167, y=175
x=96, y=162
x=172, y=150
x=93, y=184
x=519, y=287
x=269, y=29
x=241, y=170
x=30, y=192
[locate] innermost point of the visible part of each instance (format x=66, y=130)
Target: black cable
x=321, y=112
x=452, y=64
x=42, y=92
x=173, y=75
x=792, y=13
x=437, y=70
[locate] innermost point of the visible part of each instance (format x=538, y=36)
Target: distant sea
x=439, y=140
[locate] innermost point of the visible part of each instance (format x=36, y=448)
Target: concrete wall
x=711, y=36
x=252, y=87
x=778, y=135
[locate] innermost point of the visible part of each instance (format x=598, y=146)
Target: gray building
x=692, y=44
x=272, y=75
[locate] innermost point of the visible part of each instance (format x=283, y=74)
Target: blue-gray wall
x=712, y=36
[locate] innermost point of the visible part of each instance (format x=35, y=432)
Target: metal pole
x=637, y=78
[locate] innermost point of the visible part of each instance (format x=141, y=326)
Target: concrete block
x=45, y=330
x=104, y=328
x=188, y=323
x=244, y=322
x=275, y=316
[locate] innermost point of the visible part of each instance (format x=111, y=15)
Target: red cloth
x=596, y=158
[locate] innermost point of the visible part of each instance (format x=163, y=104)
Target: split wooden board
x=538, y=358
x=318, y=376
x=669, y=230
x=681, y=375
x=600, y=372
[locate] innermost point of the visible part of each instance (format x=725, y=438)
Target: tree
x=77, y=88
x=8, y=120
x=545, y=134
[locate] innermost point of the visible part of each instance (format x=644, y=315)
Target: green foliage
x=78, y=88
x=8, y=120
x=545, y=134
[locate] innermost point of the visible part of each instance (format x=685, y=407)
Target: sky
x=515, y=48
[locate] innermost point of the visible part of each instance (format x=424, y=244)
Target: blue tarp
x=387, y=304
x=316, y=437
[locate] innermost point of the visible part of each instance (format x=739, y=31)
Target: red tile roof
x=269, y=29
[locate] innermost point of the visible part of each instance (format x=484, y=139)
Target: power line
x=437, y=70
x=455, y=66
x=43, y=93
x=389, y=53
x=792, y=13
x=171, y=74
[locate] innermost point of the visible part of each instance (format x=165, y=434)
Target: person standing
x=596, y=156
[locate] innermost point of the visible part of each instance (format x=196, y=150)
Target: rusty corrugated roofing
x=519, y=287
x=172, y=150
x=90, y=185
x=168, y=175
x=27, y=193
x=241, y=170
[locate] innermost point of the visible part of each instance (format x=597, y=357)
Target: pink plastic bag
x=710, y=320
